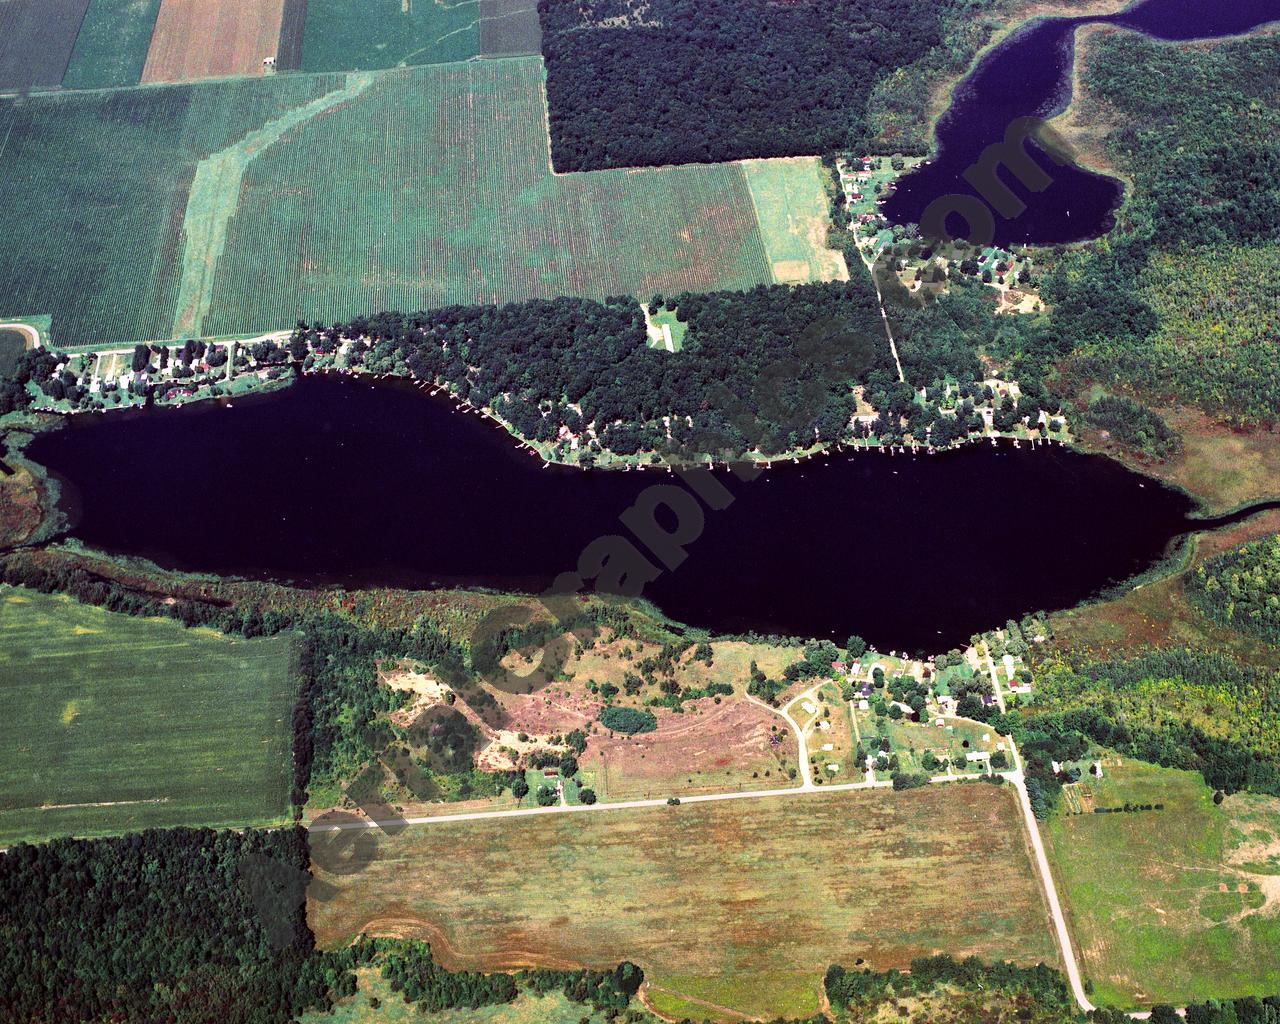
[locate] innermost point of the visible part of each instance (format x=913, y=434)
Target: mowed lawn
x=114, y=723
x=791, y=205
x=742, y=903
x=1171, y=905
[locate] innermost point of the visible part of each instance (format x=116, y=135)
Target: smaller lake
x=1029, y=74
x=335, y=480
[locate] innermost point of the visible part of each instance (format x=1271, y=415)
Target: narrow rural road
x=995, y=681
x=1046, y=878
x=1014, y=777
x=802, y=746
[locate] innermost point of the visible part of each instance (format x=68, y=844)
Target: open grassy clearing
x=115, y=723
x=246, y=197
x=36, y=37
x=710, y=748
x=1170, y=905
x=741, y=902
x=361, y=35
x=791, y=205
x=111, y=48
x=196, y=39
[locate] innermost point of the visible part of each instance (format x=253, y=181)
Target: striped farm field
x=238, y=206
x=434, y=186
x=36, y=38
x=114, y=723
x=96, y=185
x=741, y=904
x=196, y=39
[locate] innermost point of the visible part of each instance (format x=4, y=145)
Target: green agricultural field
x=11, y=345
x=230, y=208
x=791, y=204
x=742, y=903
x=112, y=45
x=96, y=184
x=362, y=35
x=452, y=199
x=114, y=723
x=1170, y=905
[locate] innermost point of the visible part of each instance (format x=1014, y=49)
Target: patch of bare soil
x=710, y=747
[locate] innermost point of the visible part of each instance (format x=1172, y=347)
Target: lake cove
x=338, y=481
x=1029, y=74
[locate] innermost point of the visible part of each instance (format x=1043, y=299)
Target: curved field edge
x=714, y=897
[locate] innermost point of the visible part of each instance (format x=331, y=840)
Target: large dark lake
x=339, y=481
x=1029, y=74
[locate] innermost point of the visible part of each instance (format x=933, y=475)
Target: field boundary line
x=214, y=197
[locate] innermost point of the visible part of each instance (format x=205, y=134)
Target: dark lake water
x=1029, y=74
x=338, y=481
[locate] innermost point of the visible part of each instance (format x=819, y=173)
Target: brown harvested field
x=212, y=39
x=733, y=745
x=742, y=903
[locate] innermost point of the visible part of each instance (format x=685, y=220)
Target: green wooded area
x=1241, y=588
x=1177, y=303
x=633, y=83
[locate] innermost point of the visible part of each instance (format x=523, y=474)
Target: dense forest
x=1134, y=425
x=1194, y=710
x=653, y=82
x=1241, y=588
x=193, y=926
x=161, y=925
x=1180, y=303
x=771, y=369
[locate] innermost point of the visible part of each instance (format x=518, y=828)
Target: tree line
x=697, y=81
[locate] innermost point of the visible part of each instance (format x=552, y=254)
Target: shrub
x=628, y=720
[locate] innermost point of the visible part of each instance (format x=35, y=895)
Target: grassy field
x=743, y=903
x=12, y=344
x=115, y=723
x=351, y=35
x=255, y=202
x=791, y=205
x=112, y=45
x=1175, y=904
